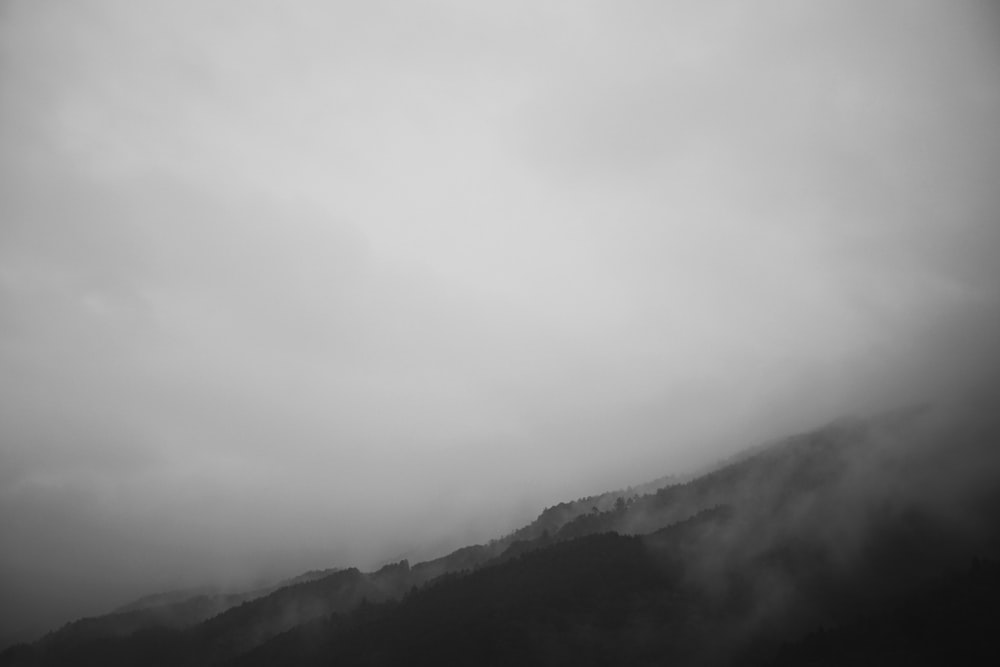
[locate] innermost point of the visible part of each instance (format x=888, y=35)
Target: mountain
x=166, y=599
x=868, y=534
x=169, y=610
x=952, y=620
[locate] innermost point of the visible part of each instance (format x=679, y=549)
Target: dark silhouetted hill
x=861, y=534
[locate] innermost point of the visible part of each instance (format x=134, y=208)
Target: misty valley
x=869, y=541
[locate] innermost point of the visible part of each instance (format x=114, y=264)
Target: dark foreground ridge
x=872, y=541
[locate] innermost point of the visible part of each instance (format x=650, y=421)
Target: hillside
x=836, y=530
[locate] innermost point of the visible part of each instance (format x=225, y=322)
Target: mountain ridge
x=797, y=533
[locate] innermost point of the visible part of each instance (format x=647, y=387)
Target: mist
x=340, y=283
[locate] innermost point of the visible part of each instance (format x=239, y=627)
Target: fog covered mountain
x=868, y=539
x=299, y=286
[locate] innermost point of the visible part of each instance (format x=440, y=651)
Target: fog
x=334, y=283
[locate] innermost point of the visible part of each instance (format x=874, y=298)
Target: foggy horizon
x=333, y=284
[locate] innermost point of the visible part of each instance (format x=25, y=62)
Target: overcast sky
x=290, y=285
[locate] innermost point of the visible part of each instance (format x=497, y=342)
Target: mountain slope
x=818, y=530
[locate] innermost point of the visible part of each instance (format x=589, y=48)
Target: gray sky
x=289, y=285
